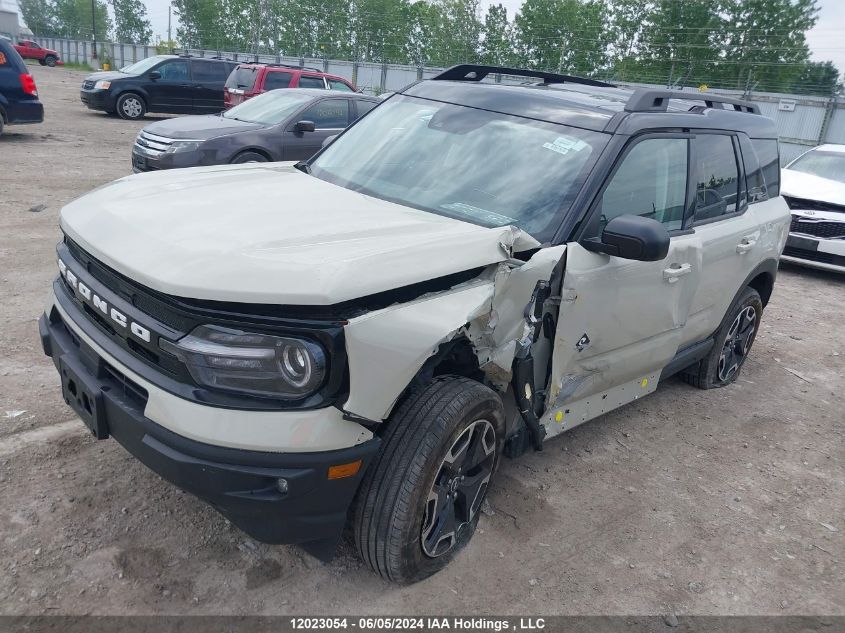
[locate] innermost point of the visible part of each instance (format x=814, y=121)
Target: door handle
x=675, y=272
x=746, y=244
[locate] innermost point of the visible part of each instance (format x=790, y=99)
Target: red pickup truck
x=32, y=50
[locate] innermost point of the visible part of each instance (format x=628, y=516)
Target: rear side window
x=276, y=79
x=365, y=106
x=717, y=177
x=328, y=114
x=651, y=182
x=337, y=84
x=769, y=157
x=242, y=78
x=208, y=71
x=311, y=82
x=753, y=174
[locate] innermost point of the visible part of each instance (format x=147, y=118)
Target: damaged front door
x=620, y=320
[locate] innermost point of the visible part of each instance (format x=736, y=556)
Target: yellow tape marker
x=644, y=383
x=559, y=416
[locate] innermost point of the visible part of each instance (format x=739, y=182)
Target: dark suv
x=248, y=80
x=18, y=96
x=163, y=83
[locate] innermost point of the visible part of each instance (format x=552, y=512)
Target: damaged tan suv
x=470, y=269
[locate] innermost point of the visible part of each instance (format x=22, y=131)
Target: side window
x=336, y=84
x=365, y=106
x=651, y=182
x=209, y=71
x=177, y=70
x=753, y=173
x=311, y=82
x=276, y=79
x=768, y=155
x=328, y=114
x=717, y=176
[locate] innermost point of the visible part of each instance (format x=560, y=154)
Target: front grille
x=813, y=205
x=817, y=228
x=129, y=388
x=814, y=256
x=152, y=144
x=88, y=84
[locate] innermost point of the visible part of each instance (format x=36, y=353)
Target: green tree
x=817, y=78
x=131, y=24
x=564, y=35
x=497, y=44
x=39, y=16
x=764, y=42
x=680, y=42
x=628, y=22
x=73, y=19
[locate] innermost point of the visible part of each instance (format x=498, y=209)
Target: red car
x=248, y=80
x=32, y=50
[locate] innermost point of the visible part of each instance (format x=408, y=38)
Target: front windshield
x=270, y=108
x=821, y=163
x=474, y=165
x=139, y=68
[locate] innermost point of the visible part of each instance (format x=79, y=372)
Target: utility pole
x=93, y=29
x=169, y=39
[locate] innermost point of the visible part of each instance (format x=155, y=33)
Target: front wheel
x=50, y=60
x=420, y=500
x=249, y=157
x=131, y=106
x=733, y=343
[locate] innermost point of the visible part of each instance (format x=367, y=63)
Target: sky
x=826, y=39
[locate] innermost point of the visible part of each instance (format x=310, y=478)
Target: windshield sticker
x=563, y=144
x=483, y=215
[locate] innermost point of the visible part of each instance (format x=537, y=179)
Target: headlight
x=254, y=364
x=102, y=85
x=183, y=146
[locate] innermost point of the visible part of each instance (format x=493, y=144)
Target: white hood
x=799, y=184
x=269, y=233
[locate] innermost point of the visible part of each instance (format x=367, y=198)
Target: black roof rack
x=474, y=72
x=650, y=100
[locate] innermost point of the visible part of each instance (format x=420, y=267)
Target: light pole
x=93, y=29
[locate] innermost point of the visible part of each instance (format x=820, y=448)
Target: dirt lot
x=723, y=502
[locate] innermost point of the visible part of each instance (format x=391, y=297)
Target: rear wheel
x=50, y=60
x=249, y=157
x=42, y=62
x=733, y=343
x=420, y=500
x=131, y=106
x=1, y=123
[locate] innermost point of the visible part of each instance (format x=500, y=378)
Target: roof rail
x=650, y=100
x=474, y=72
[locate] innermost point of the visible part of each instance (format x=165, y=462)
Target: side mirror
x=328, y=140
x=304, y=126
x=632, y=237
x=155, y=75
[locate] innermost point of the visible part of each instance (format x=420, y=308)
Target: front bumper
x=142, y=162
x=97, y=100
x=815, y=252
x=241, y=484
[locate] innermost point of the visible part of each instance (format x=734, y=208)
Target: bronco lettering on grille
x=100, y=304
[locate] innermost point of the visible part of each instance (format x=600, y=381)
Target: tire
x=50, y=60
x=131, y=106
x=733, y=343
x=41, y=62
x=248, y=157
x=2, y=123
x=415, y=510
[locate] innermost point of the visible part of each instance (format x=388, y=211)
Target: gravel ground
x=722, y=502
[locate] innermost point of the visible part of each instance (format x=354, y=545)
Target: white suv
x=467, y=271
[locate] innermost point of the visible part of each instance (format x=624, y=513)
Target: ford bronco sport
x=465, y=272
